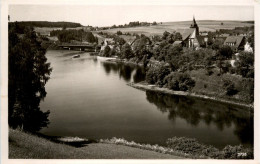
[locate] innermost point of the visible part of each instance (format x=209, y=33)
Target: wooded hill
x=49, y=24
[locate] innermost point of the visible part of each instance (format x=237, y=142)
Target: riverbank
x=27, y=146
x=124, y=61
x=145, y=86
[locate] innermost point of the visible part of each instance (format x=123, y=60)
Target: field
x=204, y=25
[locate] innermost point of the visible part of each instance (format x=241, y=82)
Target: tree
x=27, y=76
x=106, y=52
x=156, y=74
x=119, y=33
x=251, y=40
x=127, y=51
x=140, y=47
x=224, y=53
x=165, y=35
x=245, y=64
x=179, y=81
x=229, y=86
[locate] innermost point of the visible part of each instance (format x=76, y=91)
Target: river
x=88, y=97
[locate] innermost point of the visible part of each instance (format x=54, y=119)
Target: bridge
x=80, y=47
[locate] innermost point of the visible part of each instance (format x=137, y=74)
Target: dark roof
x=234, y=39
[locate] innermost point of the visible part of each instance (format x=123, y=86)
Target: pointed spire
x=194, y=20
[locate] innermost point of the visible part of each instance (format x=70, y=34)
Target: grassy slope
x=27, y=146
x=205, y=25
x=213, y=86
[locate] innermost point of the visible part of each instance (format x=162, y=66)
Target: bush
x=119, y=33
x=156, y=74
x=237, y=152
x=193, y=147
x=229, y=86
x=179, y=81
x=186, y=145
x=106, y=52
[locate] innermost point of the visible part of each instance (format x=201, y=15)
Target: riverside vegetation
x=204, y=71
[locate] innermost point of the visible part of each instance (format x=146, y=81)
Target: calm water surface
x=88, y=97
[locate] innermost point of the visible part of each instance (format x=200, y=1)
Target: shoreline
x=146, y=87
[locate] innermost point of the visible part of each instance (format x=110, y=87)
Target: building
x=191, y=37
x=107, y=42
x=235, y=42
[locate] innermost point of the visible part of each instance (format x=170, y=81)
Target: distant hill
x=204, y=25
x=49, y=24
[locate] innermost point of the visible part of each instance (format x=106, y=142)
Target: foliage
x=169, y=53
x=179, y=81
x=106, y=52
x=193, y=147
x=47, y=24
x=229, y=87
x=224, y=53
x=127, y=51
x=245, y=64
x=251, y=40
x=119, y=33
x=28, y=74
x=156, y=74
x=237, y=152
x=69, y=35
x=140, y=47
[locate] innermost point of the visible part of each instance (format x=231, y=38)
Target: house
x=107, y=42
x=236, y=42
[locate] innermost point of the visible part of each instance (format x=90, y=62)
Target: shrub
x=237, y=152
x=179, y=81
x=186, y=145
x=156, y=74
x=229, y=86
x=106, y=52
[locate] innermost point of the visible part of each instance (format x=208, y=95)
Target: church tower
x=194, y=25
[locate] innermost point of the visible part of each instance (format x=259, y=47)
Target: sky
x=108, y=15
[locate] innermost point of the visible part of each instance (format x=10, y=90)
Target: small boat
x=75, y=56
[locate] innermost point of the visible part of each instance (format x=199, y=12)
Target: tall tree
x=28, y=74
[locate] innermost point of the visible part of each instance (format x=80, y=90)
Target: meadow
x=204, y=25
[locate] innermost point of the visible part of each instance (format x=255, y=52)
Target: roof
x=186, y=33
x=234, y=39
x=177, y=42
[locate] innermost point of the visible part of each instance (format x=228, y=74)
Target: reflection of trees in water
x=125, y=71
x=196, y=110
x=139, y=75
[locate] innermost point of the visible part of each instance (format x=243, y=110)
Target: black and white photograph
x=128, y=81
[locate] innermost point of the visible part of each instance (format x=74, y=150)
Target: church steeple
x=194, y=25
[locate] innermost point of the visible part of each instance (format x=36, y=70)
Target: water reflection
x=196, y=111
x=127, y=72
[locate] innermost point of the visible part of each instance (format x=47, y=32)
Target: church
x=191, y=37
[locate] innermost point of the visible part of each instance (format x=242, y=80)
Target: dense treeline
x=27, y=76
x=178, y=68
x=236, y=30
x=78, y=35
x=48, y=24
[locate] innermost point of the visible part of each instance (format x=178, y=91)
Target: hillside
x=204, y=25
x=26, y=146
